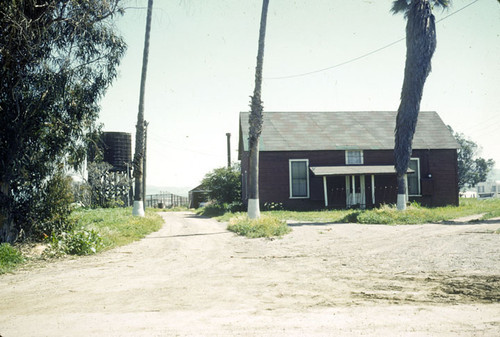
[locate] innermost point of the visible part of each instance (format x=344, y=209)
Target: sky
x=320, y=55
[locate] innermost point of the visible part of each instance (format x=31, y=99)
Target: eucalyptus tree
x=420, y=46
x=256, y=120
x=57, y=58
x=138, y=209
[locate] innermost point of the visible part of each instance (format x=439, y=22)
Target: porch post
x=373, y=189
x=362, y=197
x=325, y=191
x=353, y=178
x=347, y=191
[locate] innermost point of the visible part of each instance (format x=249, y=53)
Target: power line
x=362, y=56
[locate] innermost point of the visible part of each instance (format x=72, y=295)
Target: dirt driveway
x=193, y=278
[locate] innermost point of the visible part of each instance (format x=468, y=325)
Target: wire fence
x=166, y=200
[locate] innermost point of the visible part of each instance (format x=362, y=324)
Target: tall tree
x=420, y=46
x=138, y=209
x=57, y=57
x=472, y=169
x=256, y=121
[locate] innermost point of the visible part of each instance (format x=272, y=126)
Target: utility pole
x=144, y=164
x=228, y=135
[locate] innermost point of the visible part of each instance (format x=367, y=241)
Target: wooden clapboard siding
x=438, y=190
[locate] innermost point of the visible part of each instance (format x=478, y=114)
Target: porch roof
x=354, y=170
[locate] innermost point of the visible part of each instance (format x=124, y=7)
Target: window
x=299, y=178
x=414, y=177
x=354, y=157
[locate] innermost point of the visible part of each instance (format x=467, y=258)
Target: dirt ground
x=193, y=278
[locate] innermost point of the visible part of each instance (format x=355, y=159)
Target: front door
x=355, y=191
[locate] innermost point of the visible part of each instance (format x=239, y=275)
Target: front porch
x=357, y=185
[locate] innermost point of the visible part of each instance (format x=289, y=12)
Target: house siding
x=439, y=190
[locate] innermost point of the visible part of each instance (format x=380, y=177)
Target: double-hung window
x=354, y=157
x=414, y=177
x=299, y=178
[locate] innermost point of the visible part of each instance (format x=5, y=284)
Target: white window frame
x=290, y=161
x=418, y=179
x=347, y=157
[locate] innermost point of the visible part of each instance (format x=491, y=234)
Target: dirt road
x=193, y=278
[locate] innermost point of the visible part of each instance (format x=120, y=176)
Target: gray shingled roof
x=355, y=130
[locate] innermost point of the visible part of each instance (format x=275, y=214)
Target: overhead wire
x=362, y=56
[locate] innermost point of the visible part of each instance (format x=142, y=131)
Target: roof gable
x=363, y=130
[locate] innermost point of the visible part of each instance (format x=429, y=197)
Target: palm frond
x=442, y=3
x=400, y=6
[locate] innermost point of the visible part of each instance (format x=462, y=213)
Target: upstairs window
x=354, y=157
x=299, y=178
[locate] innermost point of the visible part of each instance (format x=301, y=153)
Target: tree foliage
x=403, y=6
x=56, y=60
x=472, y=169
x=224, y=184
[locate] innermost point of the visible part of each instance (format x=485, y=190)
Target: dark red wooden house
x=314, y=160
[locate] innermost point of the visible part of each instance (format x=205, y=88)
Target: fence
x=166, y=200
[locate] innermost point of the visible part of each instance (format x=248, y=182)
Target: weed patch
x=266, y=226
x=10, y=257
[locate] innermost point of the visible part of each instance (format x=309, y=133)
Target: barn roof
x=345, y=130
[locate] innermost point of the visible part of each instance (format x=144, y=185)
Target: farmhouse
x=314, y=160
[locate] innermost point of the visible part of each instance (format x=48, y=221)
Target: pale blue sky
x=203, y=55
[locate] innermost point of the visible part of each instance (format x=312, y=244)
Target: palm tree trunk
x=256, y=121
x=138, y=209
x=420, y=46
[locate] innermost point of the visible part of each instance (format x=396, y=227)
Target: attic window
x=354, y=157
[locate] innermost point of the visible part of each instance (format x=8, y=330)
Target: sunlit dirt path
x=193, y=278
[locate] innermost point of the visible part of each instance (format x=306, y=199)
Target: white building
x=488, y=189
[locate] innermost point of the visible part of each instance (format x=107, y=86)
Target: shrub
x=265, y=226
x=273, y=206
x=52, y=213
x=218, y=209
x=9, y=257
x=224, y=184
x=80, y=242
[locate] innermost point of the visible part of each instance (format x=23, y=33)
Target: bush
x=52, y=213
x=265, y=226
x=217, y=209
x=273, y=206
x=80, y=242
x=224, y=184
x=9, y=257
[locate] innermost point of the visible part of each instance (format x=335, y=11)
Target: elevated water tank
x=117, y=149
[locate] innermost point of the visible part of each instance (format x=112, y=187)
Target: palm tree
x=138, y=209
x=420, y=46
x=255, y=121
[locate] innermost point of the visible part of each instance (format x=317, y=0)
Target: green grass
x=388, y=214
x=113, y=226
x=264, y=227
x=117, y=226
x=10, y=258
